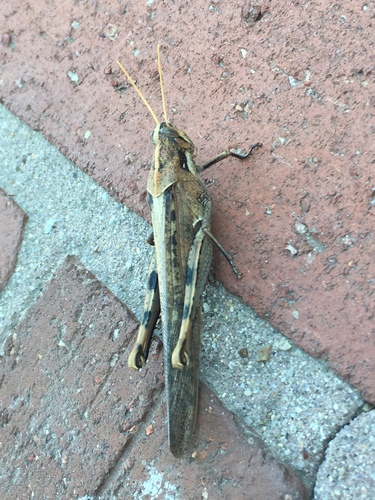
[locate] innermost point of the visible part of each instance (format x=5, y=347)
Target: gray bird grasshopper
x=180, y=212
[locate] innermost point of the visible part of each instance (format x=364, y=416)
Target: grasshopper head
x=173, y=159
x=167, y=130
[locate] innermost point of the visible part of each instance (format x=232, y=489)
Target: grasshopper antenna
x=162, y=87
x=140, y=93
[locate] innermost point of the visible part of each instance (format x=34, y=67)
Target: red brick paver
x=12, y=221
x=75, y=421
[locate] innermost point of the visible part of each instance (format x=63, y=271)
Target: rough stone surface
x=298, y=216
x=348, y=470
x=12, y=221
x=76, y=423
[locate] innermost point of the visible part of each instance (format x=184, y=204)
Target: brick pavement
x=76, y=423
x=309, y=97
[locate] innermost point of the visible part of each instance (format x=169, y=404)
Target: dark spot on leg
x=146, y=316
x=189, y=276
x=185, y=314
x=152, y=280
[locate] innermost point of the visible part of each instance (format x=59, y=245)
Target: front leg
x=226, y=154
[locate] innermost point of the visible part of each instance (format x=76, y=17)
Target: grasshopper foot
x=242, y=156
x=180, y=357
x=136, y=359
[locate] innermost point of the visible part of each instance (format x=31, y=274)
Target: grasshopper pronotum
x=180, y=212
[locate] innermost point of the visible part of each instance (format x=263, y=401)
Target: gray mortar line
x=348, y=470
x=117, y=473
x=293, y=401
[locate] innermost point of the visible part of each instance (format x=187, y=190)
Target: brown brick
x=12, y=222
x=75, y=421
x=68, y=398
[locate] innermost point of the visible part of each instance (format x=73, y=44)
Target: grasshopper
x=180, y=212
